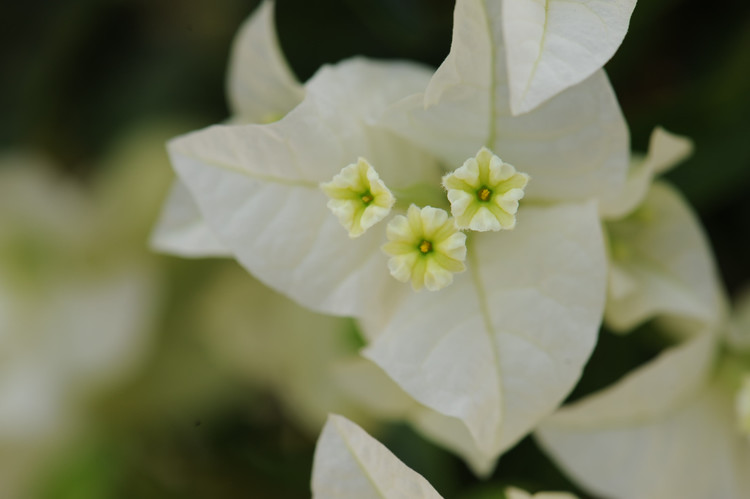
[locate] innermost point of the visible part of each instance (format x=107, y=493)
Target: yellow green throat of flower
x=426, y=245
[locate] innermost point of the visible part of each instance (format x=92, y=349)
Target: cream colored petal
x=260, y=86
x=501, y=347
x=665, y=151
x=349, y=463
x=692, y=452
x=181, y=229
x=664, y=254
x=551, y=45
x=257, y=186
x=573, y=146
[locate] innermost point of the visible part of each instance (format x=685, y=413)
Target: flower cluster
x=506, y=188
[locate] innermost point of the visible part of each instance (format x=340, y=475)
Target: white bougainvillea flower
x=260, y=89
x=551, y=45
x=672, y=428
x=425, y=248
x=484, y=193
x=660, y=259
x=499, y=348
x=258, y=186
x=358, y=197
x=350, y=463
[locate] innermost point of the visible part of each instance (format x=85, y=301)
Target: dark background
x=77, y=73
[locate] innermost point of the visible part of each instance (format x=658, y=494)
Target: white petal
x=350, y=463
x=574, y=146
x=257, y=187
x=260, y=85
x=501, y=347
x=665, y=151
x=668, y=263
x=686, y=446
x=554, y=44
x=181, y=229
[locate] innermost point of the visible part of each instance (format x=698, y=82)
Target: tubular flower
x=484, y=193
x=425, y=247
x=358, y=197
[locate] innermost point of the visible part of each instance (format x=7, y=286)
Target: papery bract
x=350, y=463
x=669, y=429
x=554, y=44
x=500, y=347
x=260, y=89
x=660, y=259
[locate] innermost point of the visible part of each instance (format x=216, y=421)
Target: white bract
x=260, y=89
x=553, y=44
x=660, y=260
x=500, y=347
x=676, y=427
x=349, y=463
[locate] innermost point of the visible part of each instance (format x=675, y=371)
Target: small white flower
x=484, y=192
x=359, y=199
x=425, y=247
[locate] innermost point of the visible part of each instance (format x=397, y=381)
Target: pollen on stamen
x=484, y=192
x=358, y=197
x=425, y=247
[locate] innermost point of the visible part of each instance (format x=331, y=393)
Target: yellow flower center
x=484, y=194
x=425, y=247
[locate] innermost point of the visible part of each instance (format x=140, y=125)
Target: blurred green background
x=78, y=74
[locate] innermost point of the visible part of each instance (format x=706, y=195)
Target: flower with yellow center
x=358, y=197
x=484, y=193
x=425, y=247
x=520, y=323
